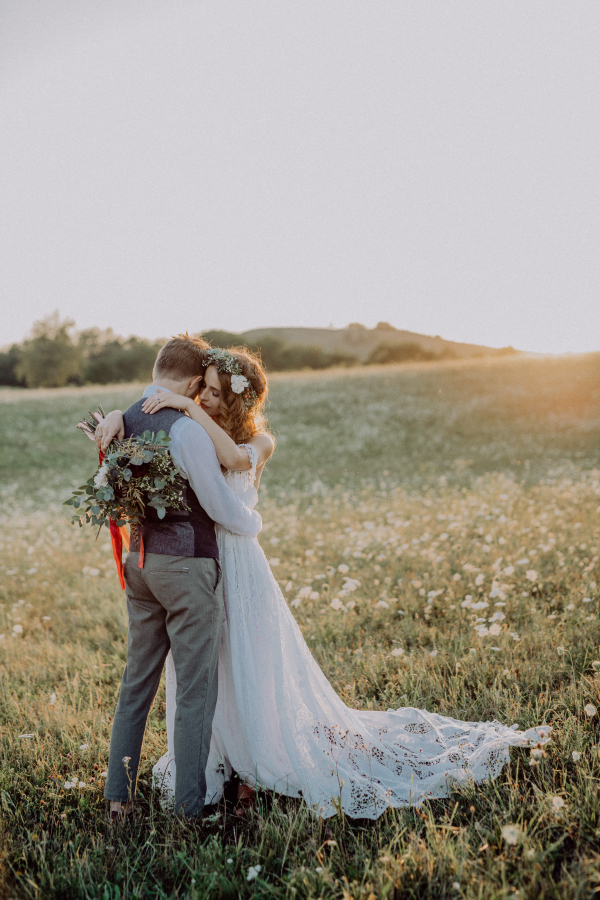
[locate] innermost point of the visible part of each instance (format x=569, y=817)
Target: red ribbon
x=120, y=536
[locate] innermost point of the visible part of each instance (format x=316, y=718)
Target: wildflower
x=381, y=604
x=83, y=746
x=274, y=561
x=537, y=753
x=52, y=699
x=587, y=600
x=126, y=759
x=560, y=650
x=508, y=570
x=433, y=654
x=103, y=774
x=336, y=603
x=229, y=861
x=63, y=815
x=531, y=575
x=576, y=756
x=472, y=651
x=253, y=872
x=27, y=735
x=590, y=710
x=479, y=580
x=495, y=629
x=397, y=651
x=456, y=885
x=343, y=568
x=18, y=629
x=558, y=803
x=511, y=834
x=596, y=664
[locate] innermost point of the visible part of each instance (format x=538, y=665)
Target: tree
x=50, y=357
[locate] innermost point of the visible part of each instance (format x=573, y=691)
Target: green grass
x=418, y=479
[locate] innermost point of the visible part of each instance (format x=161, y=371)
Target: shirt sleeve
x=195, y=454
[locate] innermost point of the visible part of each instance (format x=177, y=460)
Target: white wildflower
x=511, y=834
x=381, y=604
x=336, y=603
x=558, y=802
x=397, y=651
x=590, y=710
x=253, y=872
x=18, y=629
x=343, y=568
x=495, y=629
x=576, y=756
x=52, y=699
x=587, y=600
x=560, y=650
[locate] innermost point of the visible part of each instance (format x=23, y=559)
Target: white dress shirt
x=195, y=455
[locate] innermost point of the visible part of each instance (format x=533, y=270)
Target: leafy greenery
x=134, y=474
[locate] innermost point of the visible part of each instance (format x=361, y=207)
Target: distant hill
x=361, y=342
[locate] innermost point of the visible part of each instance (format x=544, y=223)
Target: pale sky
x=175, y=165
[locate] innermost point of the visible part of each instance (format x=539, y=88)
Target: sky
x=172, y=166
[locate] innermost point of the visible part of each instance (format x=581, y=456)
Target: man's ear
x=194, y=384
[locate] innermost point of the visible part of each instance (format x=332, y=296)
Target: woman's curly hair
x=236, y=419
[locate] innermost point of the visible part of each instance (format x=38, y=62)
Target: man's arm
x=194, y=453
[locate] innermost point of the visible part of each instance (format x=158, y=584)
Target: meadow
x=435, y=529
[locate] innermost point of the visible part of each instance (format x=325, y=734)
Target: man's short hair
x=181, y=357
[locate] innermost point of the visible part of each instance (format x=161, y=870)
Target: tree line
x=55, y=355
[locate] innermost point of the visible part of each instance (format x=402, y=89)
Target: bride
x=278, y=723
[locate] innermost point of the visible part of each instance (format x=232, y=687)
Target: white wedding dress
x=280, y=725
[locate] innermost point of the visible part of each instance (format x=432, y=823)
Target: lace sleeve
x=253, y=454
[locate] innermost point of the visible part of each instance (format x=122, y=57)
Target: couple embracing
x=244, y=693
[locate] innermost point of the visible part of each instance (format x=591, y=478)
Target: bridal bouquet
x=133, y=476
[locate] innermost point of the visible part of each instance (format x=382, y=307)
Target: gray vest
x=181, y=532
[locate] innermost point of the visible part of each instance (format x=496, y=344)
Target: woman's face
x=210, y=392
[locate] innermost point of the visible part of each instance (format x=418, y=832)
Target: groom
x=174, y=601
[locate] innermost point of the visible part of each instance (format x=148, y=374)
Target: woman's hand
x=109, y=428
x=163, y=399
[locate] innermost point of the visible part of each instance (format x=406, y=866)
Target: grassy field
x=435, y=487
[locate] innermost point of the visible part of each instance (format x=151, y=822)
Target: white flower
x=253, y=872
x=239, y=383
x=515, y=636
x=587, y=600
x=18, y=629
x=495, y=629
x=343, y=568
x=381, y=604
x=101, y=477
x=590, y=710
x=576, y=756
x=67, y=785
x=52, y=699
x=531, y=575
x=296, y=602
x=560, y=650
x=596, y=664
x=336, y=603
x=83, y=746
x=274, y=561
x=558, y=802
x=511, y=834
x=433, y=654
x=397, y=651
x=479, y=580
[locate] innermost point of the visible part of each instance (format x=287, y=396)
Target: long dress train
x=280, y=725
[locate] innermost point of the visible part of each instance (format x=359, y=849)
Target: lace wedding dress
x=280, y=725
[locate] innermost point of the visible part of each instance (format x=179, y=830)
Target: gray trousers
x=175, y=603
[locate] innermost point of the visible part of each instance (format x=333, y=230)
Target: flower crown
x=225, y=362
